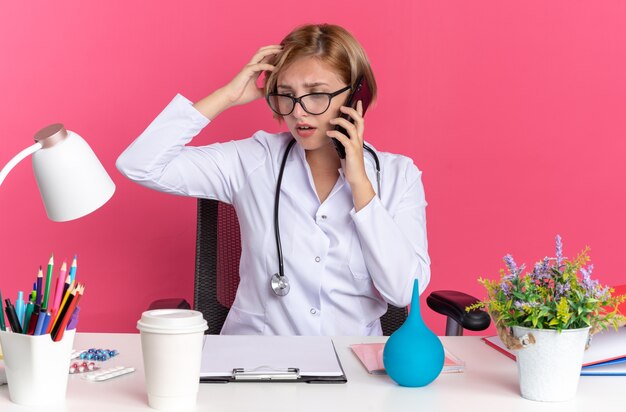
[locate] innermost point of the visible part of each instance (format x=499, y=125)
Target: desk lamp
x=71, y=179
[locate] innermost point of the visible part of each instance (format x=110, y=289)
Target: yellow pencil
x=63, y=302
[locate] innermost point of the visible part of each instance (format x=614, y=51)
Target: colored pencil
x=73, y=269
x=58, y=292
x=62, y=309
x=57, y=332
x=46, y=295
x=39, y=286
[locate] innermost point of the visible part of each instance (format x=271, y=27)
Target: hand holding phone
x=361, y=92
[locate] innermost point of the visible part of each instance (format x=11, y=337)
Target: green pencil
x=44, y=305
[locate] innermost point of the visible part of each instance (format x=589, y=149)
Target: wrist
x=362, y=194
x=214, y=104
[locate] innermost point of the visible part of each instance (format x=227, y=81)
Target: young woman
x=352, y=239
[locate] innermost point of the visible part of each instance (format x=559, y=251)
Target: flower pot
x=549, y=369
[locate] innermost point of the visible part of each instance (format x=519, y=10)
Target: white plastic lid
x=172, y=321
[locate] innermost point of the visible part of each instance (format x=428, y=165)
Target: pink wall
x=515, y=111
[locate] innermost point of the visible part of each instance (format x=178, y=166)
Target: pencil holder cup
x=37, y=368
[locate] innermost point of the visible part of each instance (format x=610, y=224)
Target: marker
x=30, y=306
x=33, y=321
x=12, y=317
x=46, y=295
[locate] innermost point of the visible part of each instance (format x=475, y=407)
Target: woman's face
x=309, y=75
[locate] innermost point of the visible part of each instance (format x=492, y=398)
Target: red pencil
x=76, y=295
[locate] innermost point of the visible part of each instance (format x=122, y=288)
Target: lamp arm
x=18, y=158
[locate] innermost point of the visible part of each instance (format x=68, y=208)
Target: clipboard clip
x=266, y=373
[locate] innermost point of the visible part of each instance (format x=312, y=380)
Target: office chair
x=218, y=249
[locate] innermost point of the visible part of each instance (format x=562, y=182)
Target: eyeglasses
x=312, y=103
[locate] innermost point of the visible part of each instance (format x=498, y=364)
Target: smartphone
x=361, y=92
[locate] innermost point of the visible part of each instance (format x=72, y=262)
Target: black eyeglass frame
x=296, y=100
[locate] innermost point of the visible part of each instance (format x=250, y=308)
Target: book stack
x=606, y=356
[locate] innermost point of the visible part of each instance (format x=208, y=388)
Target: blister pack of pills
x=107, y=373
x=90, y=360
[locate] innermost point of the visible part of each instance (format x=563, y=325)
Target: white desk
x=489, y=383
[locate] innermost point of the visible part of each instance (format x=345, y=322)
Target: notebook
x=611, y=368
x=371, y=357
x=605, y=356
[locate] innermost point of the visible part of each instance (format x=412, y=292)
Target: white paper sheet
x=312, y=355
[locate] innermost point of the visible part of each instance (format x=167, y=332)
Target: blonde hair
x=329, y=43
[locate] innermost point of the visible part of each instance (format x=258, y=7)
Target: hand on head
x=242, y=88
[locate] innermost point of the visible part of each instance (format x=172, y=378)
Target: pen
x=19, y=307
x=58, y=293
x=39, y=325
x=46, y=322
x=47, y=327
x=46, y=295
x=12, y=317
x=2, y=324
x=39, y=286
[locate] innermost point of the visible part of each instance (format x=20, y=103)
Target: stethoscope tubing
x=279, y=290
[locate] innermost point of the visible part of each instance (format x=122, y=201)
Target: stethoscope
x=280, y=282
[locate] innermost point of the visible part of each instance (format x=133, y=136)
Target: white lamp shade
x=71, y=179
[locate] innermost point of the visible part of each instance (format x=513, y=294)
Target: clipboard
x=252, y=358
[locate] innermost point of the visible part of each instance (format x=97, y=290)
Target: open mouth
x=305, y=131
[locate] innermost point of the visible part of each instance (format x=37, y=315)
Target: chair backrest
x=218, y=250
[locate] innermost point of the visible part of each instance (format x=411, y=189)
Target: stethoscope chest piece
x=280, y=284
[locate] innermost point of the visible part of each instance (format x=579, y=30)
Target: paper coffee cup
x=171, y=344
x=37, y=368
